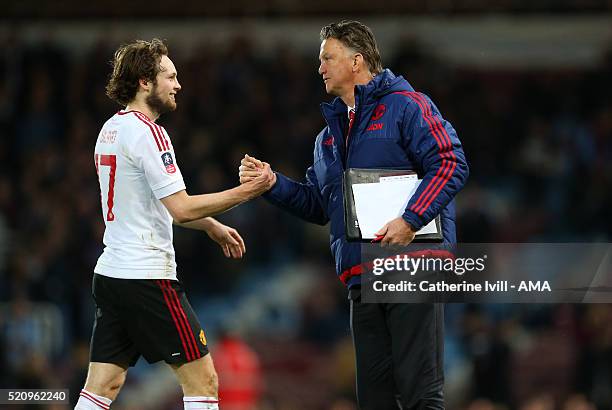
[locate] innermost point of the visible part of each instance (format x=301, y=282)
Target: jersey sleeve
x=154, y=154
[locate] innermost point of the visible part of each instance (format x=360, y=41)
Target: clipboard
x=354, y=176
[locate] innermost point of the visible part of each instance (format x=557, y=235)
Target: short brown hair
x=132, y=62
x=357, y=36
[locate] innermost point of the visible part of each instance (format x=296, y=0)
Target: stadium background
x=526, y=84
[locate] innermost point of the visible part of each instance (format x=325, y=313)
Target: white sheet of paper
x=398, y=177
x=378, y=203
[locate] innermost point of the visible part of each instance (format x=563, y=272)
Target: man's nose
x=321, y=69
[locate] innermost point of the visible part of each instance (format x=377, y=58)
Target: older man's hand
x=396, y=232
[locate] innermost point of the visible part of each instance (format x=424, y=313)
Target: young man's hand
x=228, y=239
x=251, y=168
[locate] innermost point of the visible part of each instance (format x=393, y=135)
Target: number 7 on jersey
x=108, y=161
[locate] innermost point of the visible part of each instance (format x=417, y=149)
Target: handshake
x=256, y=177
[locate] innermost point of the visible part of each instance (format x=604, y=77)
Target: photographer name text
x=442, y=286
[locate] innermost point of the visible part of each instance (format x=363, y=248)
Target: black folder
x=362, y=176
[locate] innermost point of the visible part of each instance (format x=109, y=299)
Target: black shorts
x=148, y=317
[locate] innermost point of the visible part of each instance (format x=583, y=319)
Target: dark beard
x=157, y=105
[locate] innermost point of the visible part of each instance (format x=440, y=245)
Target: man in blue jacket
x=378, y=121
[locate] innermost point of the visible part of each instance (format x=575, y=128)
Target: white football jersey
x=136, y=168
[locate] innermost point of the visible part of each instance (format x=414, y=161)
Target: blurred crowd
x=539, y=146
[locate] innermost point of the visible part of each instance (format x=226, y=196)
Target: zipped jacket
x=394, y=127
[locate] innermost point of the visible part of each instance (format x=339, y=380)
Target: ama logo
x=168, y=162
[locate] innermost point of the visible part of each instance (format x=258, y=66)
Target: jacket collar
x=384, y=83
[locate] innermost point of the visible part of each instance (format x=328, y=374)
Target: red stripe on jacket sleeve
x=440, y=144
x=448, y=165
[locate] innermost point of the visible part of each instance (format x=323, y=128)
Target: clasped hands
x=251, y=169
x=395, y=232
x=255, y=176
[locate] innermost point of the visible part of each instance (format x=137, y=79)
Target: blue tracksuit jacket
x=394, y=127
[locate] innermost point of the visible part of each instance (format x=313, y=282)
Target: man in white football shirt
x=141, y=307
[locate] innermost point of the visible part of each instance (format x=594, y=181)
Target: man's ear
x=358, y=62
x=145, y=84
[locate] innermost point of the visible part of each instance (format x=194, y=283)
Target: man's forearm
x=202, y=224
x=187, y=208
x=191, y=208
x=205, y=205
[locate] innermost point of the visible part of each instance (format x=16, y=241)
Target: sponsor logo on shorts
x=176, y=354
x=202, y=337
